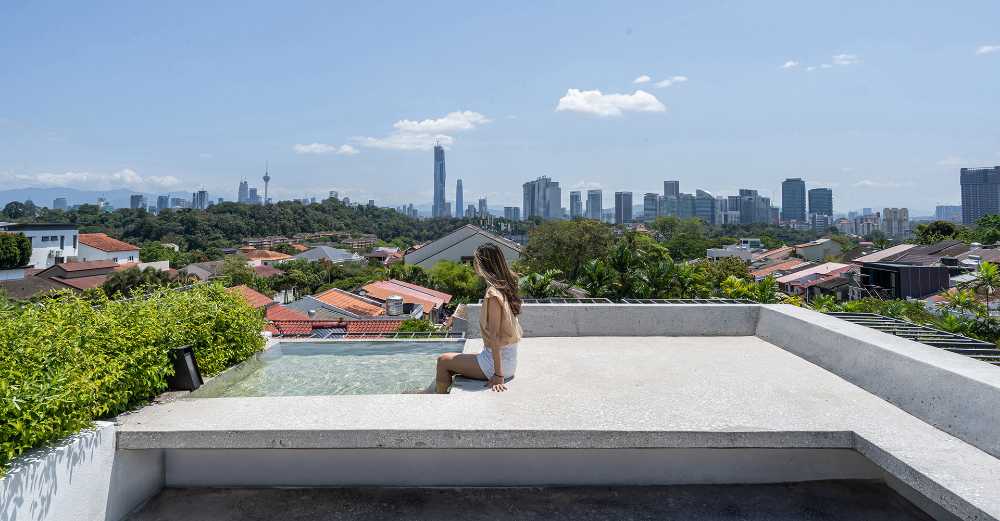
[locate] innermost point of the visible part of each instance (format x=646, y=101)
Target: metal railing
x=963, y=345
x=559, y=300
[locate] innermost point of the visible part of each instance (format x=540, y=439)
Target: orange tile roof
x=85, y=265
x=101, y=241
x=82, y=283
x=350, y=302
x=372, y=327
x=267, y=271
x=300, y=247
x=256, y=299
x=383, y=289
x=439, y=294
x=781, y=266
x=277, y=312
x=267, y=255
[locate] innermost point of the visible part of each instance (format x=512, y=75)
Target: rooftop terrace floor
x=838, y=500
x=604, y=393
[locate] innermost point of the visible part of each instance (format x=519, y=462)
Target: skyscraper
x=595, y=199
x=685, y=206
x=896, y=222
x=252, y=196
x=754, y=208
x=705, y=207
x=650, y=206
x=162, y=203
x=60, y=204
x=199, y=200
x=483, y=209
x=512, y=213
x=243, y=195
x=793, y=200
x=623, y=207
x=948, y=213
x=438, y=208
x=459, y=207
x=671, y=188
x=980, y=193
x=542, y=198
x=575, y=204
x=821, y=201
x=267, y=179
x=136, y=201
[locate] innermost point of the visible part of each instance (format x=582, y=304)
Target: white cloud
x=790, y=64
x=453, y=122
x=206, y=155
x=846, y=59
x=642, y=79
x=987, y=49
x=125, y=178
x=811, y=68
x=424, y=134
x=604, y=105
x=869, y=183
x=826, y=66
x=323, y=148
x=673, y=80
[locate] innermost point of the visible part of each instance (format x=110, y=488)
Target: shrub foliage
x=15, y=250
x=65, y=362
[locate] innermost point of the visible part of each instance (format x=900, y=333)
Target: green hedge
x=66, y=361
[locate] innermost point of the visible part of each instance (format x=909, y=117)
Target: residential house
x=460, y=246
x=818, y=250
x=50, y=243
x=257, y=257
x=100, y=246
x=780, y=268
x=795, y=283
x=204, y=270
x=329, y=253
x=894, y=280
x=430, y=300
x=881, y=255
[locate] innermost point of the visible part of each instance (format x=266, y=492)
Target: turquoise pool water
x=339, y=367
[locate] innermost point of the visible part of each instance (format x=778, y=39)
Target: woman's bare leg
x=450, y=364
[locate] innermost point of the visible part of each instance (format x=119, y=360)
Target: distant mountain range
x=118, y=198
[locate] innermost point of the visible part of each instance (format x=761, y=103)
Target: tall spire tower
x=267, y=179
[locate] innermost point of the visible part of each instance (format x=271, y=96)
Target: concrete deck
x=607, y=393
x=815, y=501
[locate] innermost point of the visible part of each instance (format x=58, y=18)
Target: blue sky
x=883, y=101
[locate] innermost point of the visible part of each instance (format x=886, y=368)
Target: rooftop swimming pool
x=332, y=368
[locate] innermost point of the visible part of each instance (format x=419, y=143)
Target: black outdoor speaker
x=186, y=376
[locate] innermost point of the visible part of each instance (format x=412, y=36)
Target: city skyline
x=865, y=103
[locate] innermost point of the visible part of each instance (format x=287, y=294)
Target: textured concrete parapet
x=575, y=320
x=82, y=477
x=952, y=392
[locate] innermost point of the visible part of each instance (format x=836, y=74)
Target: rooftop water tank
x=394, y=305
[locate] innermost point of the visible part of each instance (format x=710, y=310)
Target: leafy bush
x=66, y=362
x=15, y=250
x=416, y=325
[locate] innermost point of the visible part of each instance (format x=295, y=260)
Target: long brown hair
x=492, y=266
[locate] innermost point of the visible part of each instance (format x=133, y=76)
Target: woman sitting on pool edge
x=498, y=324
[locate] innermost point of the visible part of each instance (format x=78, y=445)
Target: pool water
x=334, y=367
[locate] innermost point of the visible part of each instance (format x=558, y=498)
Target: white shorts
x=508, y=361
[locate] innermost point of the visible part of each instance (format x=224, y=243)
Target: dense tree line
x=986, y=231
x=227, y=224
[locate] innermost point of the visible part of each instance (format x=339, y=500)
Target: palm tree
x=539, y=285
x=597, y=278
x=963, y=300
x=986, y=279
x=735, y=287
x=764, y=291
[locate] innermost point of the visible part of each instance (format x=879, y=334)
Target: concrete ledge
x=952, y=392
x=506, y=467
x=574, y=320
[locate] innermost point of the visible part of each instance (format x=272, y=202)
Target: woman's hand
x=497, y=384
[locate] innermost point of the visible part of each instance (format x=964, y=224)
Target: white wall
x=44, y=247
x=81, y=478
x=93, y=254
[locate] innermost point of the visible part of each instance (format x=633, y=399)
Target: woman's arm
x=495, y=322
